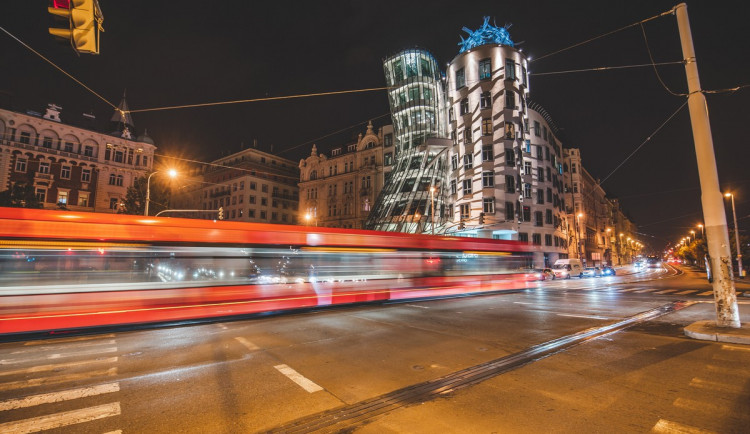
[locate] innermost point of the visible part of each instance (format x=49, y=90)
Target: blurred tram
x=67, y=270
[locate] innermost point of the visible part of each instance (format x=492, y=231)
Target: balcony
x=35, y=148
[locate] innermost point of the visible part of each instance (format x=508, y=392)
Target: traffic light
x=481, y=218
x=84, y=22
x=221, y=213
x=461, y=226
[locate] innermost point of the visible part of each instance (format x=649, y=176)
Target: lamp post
x=736, y=235
x=700, y=225
x=432, y=209
x=608, y=243
x=171, y=172
x=578, y=232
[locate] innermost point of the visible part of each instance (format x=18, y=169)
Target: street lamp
x=578, y=232
x=172, y=174
x=736, y=235
x=700, y=225
x=692, y=233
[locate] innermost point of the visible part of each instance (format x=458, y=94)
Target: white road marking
x=700, y=406
x=645, y=290
x=58, y=420
x=414, y=305
x=42, y=368
x=59, y=356
x=734, y=348
x=64, y=346
x=666, y=291
x=55, y=341
x=689, y=291
x=521, y=302
x=56, y=380
x=582, y=316
x=713, y=385
x=249, y=345
x=119, y=431
x=706, y=293
x=298, y=378
x=64, y=395
x=669, y=427
x=223, y=327
x=732, y=370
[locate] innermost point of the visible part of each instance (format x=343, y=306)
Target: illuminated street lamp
x=700, y=225
x=736, y=236
x=309, y=217
x=172, y=174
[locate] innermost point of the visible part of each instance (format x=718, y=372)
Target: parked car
x=608, y=271
x=592, y=272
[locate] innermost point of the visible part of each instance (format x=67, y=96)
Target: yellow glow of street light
x=308, y=217
x=727, y=194
x=172, y=173
x=700, y=225
x=580, y=214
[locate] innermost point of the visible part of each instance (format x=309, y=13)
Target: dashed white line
x=58, y=356
x=43, y=368
x=249, y=345
x=298, y=378
x=669, y=427
x=223, y=327
x=57, y=420
x=582, y=316
x=734, y=348
x=56, y=379
x=421, y=307
x=689, y=291
x=64, y=395
x=56, y=341
x=666, y=291
x=64, y=346
x=713, y=385
x=706, y=293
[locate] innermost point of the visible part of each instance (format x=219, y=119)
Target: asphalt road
x=462, y=365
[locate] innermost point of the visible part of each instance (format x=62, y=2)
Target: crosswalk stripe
x=298, y=378
x=61, y=340
x=44, y=381
x=713, y=385
x=706, y=293
x=689, y=291
x=43, y=368
x=59, y=356
x=669, y=427
x=57, y=420
x=65, y=346
x=64, y=395
x=667, y=291
x=249, y=345
x=645, y=290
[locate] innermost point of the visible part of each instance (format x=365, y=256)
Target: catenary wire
x=58, y=68
x=603, y=35
x=656, y=70
x=331, y=134
x=607, y=68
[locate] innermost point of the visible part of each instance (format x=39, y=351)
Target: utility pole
x=727, y=313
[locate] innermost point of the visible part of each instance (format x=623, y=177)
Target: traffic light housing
x=481, y=218
x=221, y=213
x=84, y=22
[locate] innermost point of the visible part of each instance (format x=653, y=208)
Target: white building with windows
x=70, y=166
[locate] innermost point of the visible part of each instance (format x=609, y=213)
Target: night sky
x=169, y=53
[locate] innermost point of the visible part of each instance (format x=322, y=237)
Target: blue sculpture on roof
x=487, y=34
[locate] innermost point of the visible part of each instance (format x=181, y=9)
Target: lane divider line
x=298, y=378
x=54, y=341
x=249, y=345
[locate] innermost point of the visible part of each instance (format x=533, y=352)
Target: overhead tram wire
x=60, y=69
x=607, y=68
x=332, y=134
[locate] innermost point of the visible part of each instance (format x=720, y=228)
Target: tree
x=135, y=199
x=20, y=196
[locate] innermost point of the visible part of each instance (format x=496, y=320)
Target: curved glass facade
x=412, y=198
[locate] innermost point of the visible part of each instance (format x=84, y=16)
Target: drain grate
x=351, y=415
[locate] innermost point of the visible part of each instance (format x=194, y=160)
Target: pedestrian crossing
x=658, y=291
x=62, y=384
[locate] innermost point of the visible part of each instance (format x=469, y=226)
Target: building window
x=485, y=69
x=540, y=174
x=460, y=79
x=510, y=99
x=536, y=239
x=41, y=194
x=539, y=152
x=454, y=162
x=464, y=106
x=468, y=161
x=527, y=190
x=263, y=215
x=65, y=172
x=120, y=180
x=544, y=133
x=241, y=199
x=264, y=188
x=251, y=213
x=68, y=147
x=510, y=69
x=263, y=201
x=25, y=138
x=387, y=159
x=254, y=186
x=112, y=179
x=467, y=135
x=527, y=167
x=119, y=155
x=527, y=146
x=548, y=217
x=83, y=199
x=485, y=100
x=43, y=167
x=453, y=186
x=467, y=186
x=549, y=195
x=21, y=165
x=114, y=203
x=251, y=200
x=525, y=78
x=487, y=154
x=523, y=236
x=536, y=128
x=510, y=212
x=89, y=151
x=546, y=153
x=488, y=205
x=547, y=240
x=487, y=127
x=464, y=211
x=527, y=214
x=510, y=130
x=62, y=197
x=47, y=142
x=488, y=179
x=538, y=218
x=510, y=157
x=540, y=196
x=575, y=187
x=510, y=184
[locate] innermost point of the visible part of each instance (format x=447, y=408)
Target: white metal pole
x=737, y=238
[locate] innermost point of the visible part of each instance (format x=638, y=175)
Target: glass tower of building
x=412, y=199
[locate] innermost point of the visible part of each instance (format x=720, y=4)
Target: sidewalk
x=709, y=331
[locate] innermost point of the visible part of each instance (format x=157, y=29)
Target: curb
x=709, y=331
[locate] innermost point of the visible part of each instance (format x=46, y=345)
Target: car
x=608, y=271
x=591, y=272
x=566, y=268
x=540, y=274
x=548, y=274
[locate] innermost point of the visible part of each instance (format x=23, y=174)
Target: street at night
x=374, y=217
x=305, y=371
